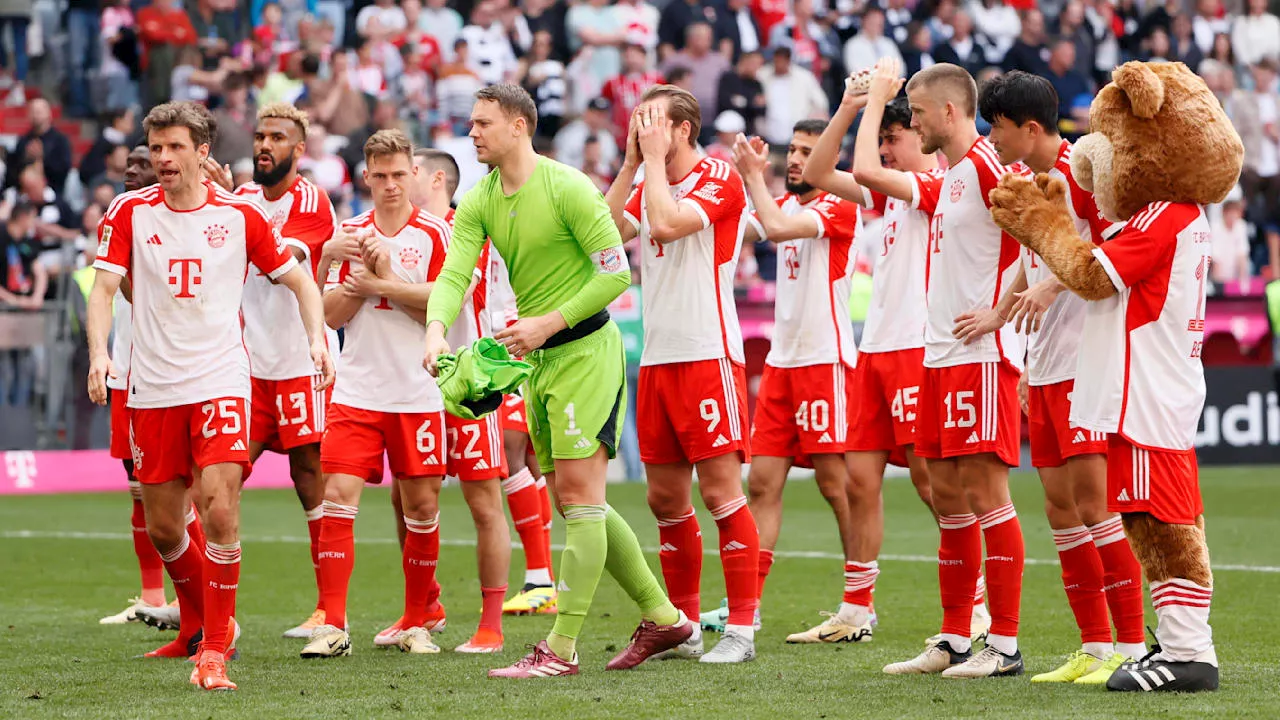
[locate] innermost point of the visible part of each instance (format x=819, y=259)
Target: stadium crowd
x=756, y=66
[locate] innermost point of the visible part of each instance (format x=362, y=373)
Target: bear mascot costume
x=1159, y=150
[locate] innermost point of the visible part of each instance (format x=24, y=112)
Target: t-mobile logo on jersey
x=184, y=274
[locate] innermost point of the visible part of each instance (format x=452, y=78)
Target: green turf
x=56, y=661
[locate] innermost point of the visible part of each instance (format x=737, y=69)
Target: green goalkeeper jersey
x=556, y=236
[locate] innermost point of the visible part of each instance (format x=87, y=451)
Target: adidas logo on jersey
x=826, y=438
x=304, y=430
x=1079, y=438
x=1123, y=496
x=239, y=445
x=154, y=240
x=481, y=465
x=973, y=438
x=582, y=444
x=720, y=441
x=733, y=545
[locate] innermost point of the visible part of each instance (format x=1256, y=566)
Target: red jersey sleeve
x=1144, y=248
x=264, y=245
x=1086, y=208
x=875, y=200
x=337, y=272
x=115, y=237
x=439, y=244
x=479, y=298
x=718, y=194
x=312, y=222
x=632, y=211
x=838, y=220
x=926, y=188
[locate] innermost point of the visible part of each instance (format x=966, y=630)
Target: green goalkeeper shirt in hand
x=474, y=380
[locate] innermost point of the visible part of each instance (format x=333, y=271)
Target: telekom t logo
x=184, y=273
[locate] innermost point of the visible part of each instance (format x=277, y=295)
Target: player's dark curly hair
x=1019, y=97
x=897, y=112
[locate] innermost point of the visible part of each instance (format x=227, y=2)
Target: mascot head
x=1156, y=134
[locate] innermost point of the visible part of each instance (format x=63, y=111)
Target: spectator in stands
x=705, y=67
x=443, y=22
x=386, y=13
x=1267, y=166
x=596, y=24
x=863, y=50
x=369, y=74
x=624, y=90
x=163, y=30
x=118, y=127
x=592, y=162
x=215, y=27
x=16, y=16
x=682, y=78
x=1074, y=89
x=741, y=91
x=84, y=54
x=916, y=54
x=1256, y=35
x=1099, y=17
x=640, y=18
x=544, y=78
x=791, y=94
x=456, y=88
x=897, y=16
x=237, y=118
x=594, y=123
x=938, y=16
x=101, y=194
x=1184, y=48
x=1229, y=239
x=1029, y=52
x=335, y=102
x=113, y=171
x=962, y=49
x=55, y=221
x=23, y=278
x=327, y=169
x=1073, y=26
x=727, y=126
x=1156, y=48
x=1207, y=23
x=490, y=54
x=677, y=16
x=54, y=147
x=743, y=32
x=1223, y=52
x=383, y=117
x=807, y=39
x=998, y=27
x=414, y=34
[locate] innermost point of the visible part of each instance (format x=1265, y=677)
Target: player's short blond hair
x=195, y=117
x=286, y=111
x=388, y=142
x=951, y=83
x=683, y=107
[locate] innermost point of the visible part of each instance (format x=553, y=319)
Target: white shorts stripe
x=730, y=400
x=988, y=402
x=839, y=416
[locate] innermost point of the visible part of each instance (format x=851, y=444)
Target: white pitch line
x=298, y=540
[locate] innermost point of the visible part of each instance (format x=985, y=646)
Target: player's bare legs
x=765, y=482
x=493, y=558
x=166, y=506
x=918, y=468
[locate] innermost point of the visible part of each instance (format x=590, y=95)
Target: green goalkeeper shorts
x=576, y=397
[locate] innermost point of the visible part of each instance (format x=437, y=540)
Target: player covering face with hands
x=187, y=245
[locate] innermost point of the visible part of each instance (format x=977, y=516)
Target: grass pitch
x=66, y=560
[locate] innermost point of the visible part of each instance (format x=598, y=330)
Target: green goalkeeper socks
x=625, y=562
x=581, y=565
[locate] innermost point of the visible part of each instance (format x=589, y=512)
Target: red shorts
x=1165, y=483
x=886, y=392
x=168, y=441
x=692, y=411
x=1053, y=438
x=354, y=440
x=287, y=413
x=968, y=410
x=120, y=448
x=512, y=414
x=475, y=448
x=802, y=411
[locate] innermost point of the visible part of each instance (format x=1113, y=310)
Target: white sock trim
x=315, y=513
x=228, y=554
x=177, y=552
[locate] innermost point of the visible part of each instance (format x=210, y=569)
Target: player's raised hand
x=344, y=246
x=750, y=155
x=220, y=174
x=374, y=255
x=631, y=161
x=971, y=326
x=435, y=347
x=100, y=368
x=529, y=334
x=654, y=136
x=323, y=362
x=886, y=80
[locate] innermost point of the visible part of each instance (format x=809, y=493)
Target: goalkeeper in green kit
x=565, y=258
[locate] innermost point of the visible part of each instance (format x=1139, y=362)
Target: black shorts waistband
x=577, y=332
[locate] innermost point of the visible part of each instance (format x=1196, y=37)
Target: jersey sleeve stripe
x=635, y=221
x=989, y=158
x=102, y=264
x=1155, y=211
x=1112, y=273
x=147, y=195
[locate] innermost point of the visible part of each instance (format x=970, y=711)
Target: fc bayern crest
x=278, y=219
x=216, y=235
x=957, y=188
x=410, y=257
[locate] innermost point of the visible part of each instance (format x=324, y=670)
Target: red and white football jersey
x=273, y=329
x=1145, y=380
x=501, y=303
x=971, y=261
x=898, y=312
x=473, y=320
x=188, y=271
x=689, y=311
x=1051, y=351
x=811, y=310
x=121, y=341
x=382, y=347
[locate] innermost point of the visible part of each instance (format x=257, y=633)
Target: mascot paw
x=1027, y=208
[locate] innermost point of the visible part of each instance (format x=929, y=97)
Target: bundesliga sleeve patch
x=105, y=243
x=609, y=261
